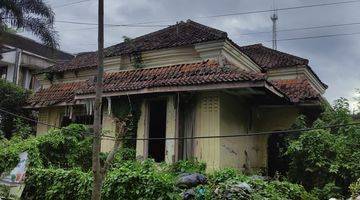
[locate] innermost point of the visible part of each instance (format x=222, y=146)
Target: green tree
x=34, y=16
x=12, y=99
x=327, y=160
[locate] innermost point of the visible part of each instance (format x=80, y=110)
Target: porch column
x=142, y=132
x=171, y=118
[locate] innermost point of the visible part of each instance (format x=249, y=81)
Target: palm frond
x=32, y=15
x=39, y=8
x=42, y=29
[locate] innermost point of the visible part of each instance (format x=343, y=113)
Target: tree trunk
x=97, y=183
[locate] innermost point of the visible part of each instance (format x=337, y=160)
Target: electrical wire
x=202, y=137
x=303, y=28
x=70, y=4
x=27, y=118
x=317, y=36
x=216, y=16
x=241, y=134
x=259, y=11
x=111, y=25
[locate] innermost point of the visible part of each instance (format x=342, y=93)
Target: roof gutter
x=207, y=87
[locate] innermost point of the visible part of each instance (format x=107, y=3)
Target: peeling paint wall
x=240, y=152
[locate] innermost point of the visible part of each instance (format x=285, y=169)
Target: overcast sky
x=335, y=59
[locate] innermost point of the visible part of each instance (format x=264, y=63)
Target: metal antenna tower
x=274, y=18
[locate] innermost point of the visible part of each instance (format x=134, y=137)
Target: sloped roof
x=193, y=74
x=180, y=34
x=55, y=94
x=297, y=90
x=84, y=60
x=201, y=73
x=269, y=58
x=33, y=46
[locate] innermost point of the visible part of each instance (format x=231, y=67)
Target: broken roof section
x=184, y=77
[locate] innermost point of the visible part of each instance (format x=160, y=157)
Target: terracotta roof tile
x=181, y=34
x=207, y=72
x=81, y=61
x=296, y=89
x=269, y=58
x=56, y=93
x=201, y=73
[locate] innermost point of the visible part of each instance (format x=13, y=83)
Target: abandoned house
x=21, y=58
x=188, y=80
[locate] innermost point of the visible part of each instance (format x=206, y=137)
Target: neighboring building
x=21, y=57
x=193, y=81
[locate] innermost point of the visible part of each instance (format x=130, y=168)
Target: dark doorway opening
x=278, y=163
x=157, y=129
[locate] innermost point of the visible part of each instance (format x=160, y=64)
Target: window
x=3, y=72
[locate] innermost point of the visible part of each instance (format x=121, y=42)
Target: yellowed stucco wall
x=170, y=130
x=49, y=116
x=142, y=132
x=274, y=118
x=207, y=123
x=247, y=152
x=108, y=129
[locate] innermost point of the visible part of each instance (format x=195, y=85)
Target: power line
x=202, y=137
x=318, y=36
x=136, y=24
x=303, y=28
x=241, y=134
x=69, y=4
x=260, y=11
x=111, y=25
x=27, y=118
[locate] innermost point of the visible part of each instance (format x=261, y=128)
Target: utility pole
x=274, y=19
x=97, y=174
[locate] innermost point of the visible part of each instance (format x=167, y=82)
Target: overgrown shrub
x=12, y=99
x=63, y=148
x=355, y=189
x=53, y=184
x=135, y=180
x=225, y=184
x=327, y=160
x=187, y=166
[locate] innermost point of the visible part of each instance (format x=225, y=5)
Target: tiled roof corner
x=55, y=94
x=298, y=90
x=269, y=58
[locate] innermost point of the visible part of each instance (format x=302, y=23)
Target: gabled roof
x=297, y=90
x=32, y=46
x=269, y=58
x=180, y=34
